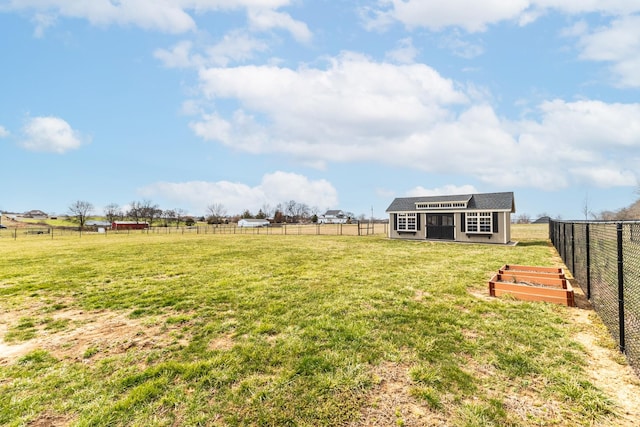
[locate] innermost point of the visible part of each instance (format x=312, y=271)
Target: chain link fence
x=604, y=258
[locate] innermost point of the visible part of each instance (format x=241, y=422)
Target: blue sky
x=332, y=103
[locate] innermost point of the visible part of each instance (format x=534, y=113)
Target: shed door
x=440, y=226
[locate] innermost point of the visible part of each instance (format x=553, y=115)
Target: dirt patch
x=49, y=419
x=390, y=402
x=88, y=335
x=225, y=342
x=606, y=368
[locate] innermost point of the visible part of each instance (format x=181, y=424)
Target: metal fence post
x=564, y=241
x=620, y=288
x=573, y=247
x=588, y=245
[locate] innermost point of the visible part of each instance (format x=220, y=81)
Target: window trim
x=409, y=220
x=479, y=223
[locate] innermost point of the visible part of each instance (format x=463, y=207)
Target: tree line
x=216, y=213
x=139, y=211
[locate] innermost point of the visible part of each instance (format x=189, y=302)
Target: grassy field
x=163, y=330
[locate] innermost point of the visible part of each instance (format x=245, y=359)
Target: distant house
x=480, y=218
x=248, y=222
x=36, y=214
x=129, y=225
x=333, y=217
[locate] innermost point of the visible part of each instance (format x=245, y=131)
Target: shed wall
x=502, y=236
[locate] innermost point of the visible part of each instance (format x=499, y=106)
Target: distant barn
x=129, y=225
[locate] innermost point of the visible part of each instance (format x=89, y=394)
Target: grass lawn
x=162, y=330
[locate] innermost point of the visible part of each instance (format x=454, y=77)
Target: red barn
x=129, y=225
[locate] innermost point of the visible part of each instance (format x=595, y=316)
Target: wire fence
x=604, y=258
x=363, y=228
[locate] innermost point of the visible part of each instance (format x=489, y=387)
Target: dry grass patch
x=390, y=401
x=51, y=419
x=607, y=368
x=225, y=342
x=87, y=335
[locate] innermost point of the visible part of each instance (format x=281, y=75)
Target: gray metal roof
x=486, y=201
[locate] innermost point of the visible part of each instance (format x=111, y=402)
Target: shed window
x=479, y=222
x=407, y=222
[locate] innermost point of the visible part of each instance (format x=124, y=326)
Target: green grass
x=283, y=330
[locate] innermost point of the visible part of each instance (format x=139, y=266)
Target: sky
x=332, y=103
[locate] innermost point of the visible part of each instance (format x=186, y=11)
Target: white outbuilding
x=249, y=222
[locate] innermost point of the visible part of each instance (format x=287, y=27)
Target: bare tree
x=135, y=211
x=150, y=211
x=144, y=211
x=80, y=209
x=180, y=216
x=301, y=211
x=267, y=210
x=290, y=210
x=167, y=216
x=216, y=212
x=585, y=207
x=112, y=212
x=350, y=216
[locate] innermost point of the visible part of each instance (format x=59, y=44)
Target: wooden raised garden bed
x=531, y=283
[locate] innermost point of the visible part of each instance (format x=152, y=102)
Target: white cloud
x=51, y=134
x=277, y=187
x=461, y=47
x=606, y=176
x=353, y=104
x=442, y=191
x=471, y=15
x=3, y=132
x=574, y=7
x=166, y=16
x=581, y=131
x=42, y=21
x=235, y=47
x=405, y=53
x=409, y=116
x=618, y=44
x=173, y=16
x=179, y=56
x=265, y=19
x=587, y=141
x=475, y=16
